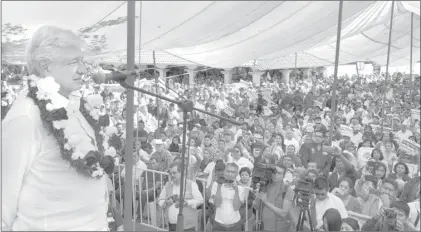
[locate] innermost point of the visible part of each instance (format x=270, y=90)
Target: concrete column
x=192, y=73
x=162, y=71
x=308, y=73
x=227, y=76
x=285, y=74
x=257, y=76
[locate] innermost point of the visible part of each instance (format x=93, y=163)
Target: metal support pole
x=156, y=87
x=295, y=66
x=410, y=60
x=128, y=185
x=387, y=65
x=358, y=71
x=180, y=217
x=335, y=74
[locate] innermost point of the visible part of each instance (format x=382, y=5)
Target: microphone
x=102, y=77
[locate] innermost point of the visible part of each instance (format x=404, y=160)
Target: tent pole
x=156, y=87
x=358, y=71
x=410, y=59
x=387, y=66
x=295, y=66
x=335, y=74
x=128, y=185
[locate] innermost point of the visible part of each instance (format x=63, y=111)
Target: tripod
x=262, y=187
x=302, y=218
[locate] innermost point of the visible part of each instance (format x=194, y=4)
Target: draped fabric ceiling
x=226, y=34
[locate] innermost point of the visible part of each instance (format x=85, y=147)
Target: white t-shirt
x=414, y=213
x=330, y=202
x=225, y=214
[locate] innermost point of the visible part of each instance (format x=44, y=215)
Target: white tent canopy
x=226, y=34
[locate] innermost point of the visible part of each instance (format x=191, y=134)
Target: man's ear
x=44, y=65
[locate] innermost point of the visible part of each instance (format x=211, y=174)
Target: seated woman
x=400, y=172
x=331, y=220
x=344, y=193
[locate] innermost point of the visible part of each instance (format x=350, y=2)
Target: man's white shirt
x=225, y=213
x=42, y=191
x=172, y=210
x=331, y=201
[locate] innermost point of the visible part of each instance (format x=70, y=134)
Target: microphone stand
x=187, y=107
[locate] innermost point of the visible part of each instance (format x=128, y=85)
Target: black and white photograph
x=210, y=116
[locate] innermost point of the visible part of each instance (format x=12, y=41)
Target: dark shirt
x=310, y=153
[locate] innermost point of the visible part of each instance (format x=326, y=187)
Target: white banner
x=361, y=218
x=410, y=146
x=364, y=154
x=251, y=94
x=230, y=111
x=346, y=131
x=415, y=114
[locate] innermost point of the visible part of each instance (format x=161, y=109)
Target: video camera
x=303, y=191
x=262, y=174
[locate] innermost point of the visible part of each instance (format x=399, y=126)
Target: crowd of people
x=363, y=160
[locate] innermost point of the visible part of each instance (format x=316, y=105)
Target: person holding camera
x=270, y=203
x=227, y=199
x=394, y=218
x=283, y=210
x=169, y=200
x=373, y=199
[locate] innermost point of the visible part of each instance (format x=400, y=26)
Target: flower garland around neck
x=97, y=159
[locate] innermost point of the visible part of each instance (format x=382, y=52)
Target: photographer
x=390, y=219
x=373, y=199
x=270, y=204
x=283, y=211
x=227, y=199
x=169, y=199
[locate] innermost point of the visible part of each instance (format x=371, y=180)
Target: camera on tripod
x=262, y=174
x=303, y=191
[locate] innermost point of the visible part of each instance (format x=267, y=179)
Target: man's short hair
x=47, y=43
x=245, y=169
x=178, y=165
x=401, y=206
x=219, y=165
x=321, y=183
x=392, y=182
